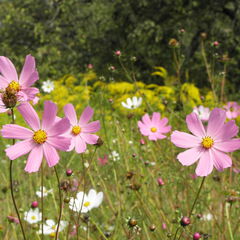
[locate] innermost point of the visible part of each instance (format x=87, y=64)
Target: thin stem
x=175, y=236
x=228, y=221
x=199, y=190
x=11, y=184
x=42, y=197
x=60, y=203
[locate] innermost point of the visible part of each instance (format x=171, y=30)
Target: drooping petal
x=86, y=116
x=16, y=132
x=60, y=142
x=29, y=73
x=49, y=114
x=7, y=69
x=195, y=125
x=228, y=146
x=80, y=145
x=30, y=116
x=221, y=160
x=89, y=138
x=229, y=130
x=189, y=156
x=50, y=154
x=216, y=121
x=91, y=127
x=20, y=148
x=205, y=164
x=70, y=113
x=184, y=140
x=156, y=118
x=34, y=159
x=59, y=128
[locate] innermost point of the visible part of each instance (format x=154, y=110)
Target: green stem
x=228, y=221
x=11, y=185
x=42, y=197
x=60, y=203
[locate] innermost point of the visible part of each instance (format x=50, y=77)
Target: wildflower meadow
x=121, y=153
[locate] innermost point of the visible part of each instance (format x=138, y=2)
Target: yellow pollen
x=53, y=234
x=86, y=204
x=54, y=227
x=76, y=130
x=40, y=136
x=207, y=142
x=15, y=86
x=33, y=217
x=153, y=129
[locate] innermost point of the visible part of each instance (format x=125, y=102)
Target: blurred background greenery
x=67, y=35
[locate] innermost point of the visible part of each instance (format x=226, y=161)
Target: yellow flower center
x=40, y=136
x=86, y=204
x=14, y=86
x=207, y=142
x=33, y=217
x=76, y=130
x=54, y=227
x=53, y=234
x=153, y=129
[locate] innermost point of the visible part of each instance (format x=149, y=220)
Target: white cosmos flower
x=48, y=86
x=132, y=103
x=86, y=202
x=45, y=192
x=202, y=112
x=33, y=216
x=50, y=227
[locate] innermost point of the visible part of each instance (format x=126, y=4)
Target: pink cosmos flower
x=81, y=131
x=103, y=161
x=232, y=110
x=155, y=127
x=207, y=144
x=21, y=85
x=44, y=140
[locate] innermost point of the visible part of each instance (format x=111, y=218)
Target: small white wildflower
x=48, y=86
x=202, y=112
x=115, y=156
x=86, y=165
x=50, y=227
x=130, y=142
x=86, y=202
x=207, y=217
x=132, y=103
x=45, y=192
x=33, y=216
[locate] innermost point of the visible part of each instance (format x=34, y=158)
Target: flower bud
x=69, y=172
x=34, y=204
x=196, y=236
x=160, y=182
x=185, y=221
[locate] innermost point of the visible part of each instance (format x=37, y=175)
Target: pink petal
x=50, y=154
x=156, y=118
x=153, y=137
x=49, y=114
x=20, y=148
x=146, y=120
x=34, y=159
x=189, y=156
x=29, y=115
x=80, y=145
x=86, y=116
x=59, y=128
x=29, y=73
x=8, y=70
x=72, y=145
x=216, y=122
x=165, y=129
x=159, y=135
x=89, y=138
x=221, y=160
x=228, y=146
x=229, y=130
x=70, y=113
x=163, y=122
x=16, y=132
x=59, y=142
x=91, y=127
x=145, y=131
x=30, y=92
x=3, y=82
x=205, y=164
x=195, y=125
x=185, y=140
